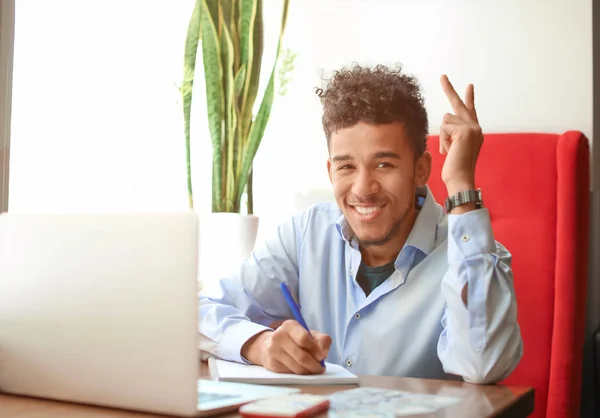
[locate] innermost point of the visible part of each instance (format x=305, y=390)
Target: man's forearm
x=481, y=339
x=225, y=330
x=454, y=188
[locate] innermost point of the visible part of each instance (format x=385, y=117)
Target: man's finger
x=470, y=97
x=323, y=341
x=446, y=131
x=303, y=349
x=303, y=358
x=452, y=95
x=297, y=367
x=453, y=119
x=304, y=340
x=285, y=350
x=470, y=102
x=444, y=140
x=276, y=366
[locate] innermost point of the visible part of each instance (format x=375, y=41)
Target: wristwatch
x=463, y=197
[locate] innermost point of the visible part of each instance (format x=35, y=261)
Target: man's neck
x=379, y=255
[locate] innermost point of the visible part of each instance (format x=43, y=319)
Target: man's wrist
x=454, y=187
x=461, y=186
x=253, y=348
x=459, y=210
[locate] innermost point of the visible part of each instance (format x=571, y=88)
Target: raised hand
x=461, y=138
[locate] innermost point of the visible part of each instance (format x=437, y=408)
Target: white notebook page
x=243, y=373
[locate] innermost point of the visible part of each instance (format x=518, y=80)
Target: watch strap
x=463, y=197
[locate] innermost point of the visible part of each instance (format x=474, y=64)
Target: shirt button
x=351, y=272
x=349, y=363
x=465, y=238
x=357, y=315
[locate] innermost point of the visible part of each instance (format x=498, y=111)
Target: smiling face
x=375, y=176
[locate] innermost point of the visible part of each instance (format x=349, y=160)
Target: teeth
x=366, y=211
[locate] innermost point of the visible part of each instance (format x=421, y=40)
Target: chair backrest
x=536, y=187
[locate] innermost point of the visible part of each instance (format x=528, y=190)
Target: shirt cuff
x=470, y=234
x=230, y=345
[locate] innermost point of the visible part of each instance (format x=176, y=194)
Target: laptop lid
x=101, y=309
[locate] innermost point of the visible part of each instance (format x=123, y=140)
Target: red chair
x=536, y=187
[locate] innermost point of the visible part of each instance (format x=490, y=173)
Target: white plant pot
x=226, y=240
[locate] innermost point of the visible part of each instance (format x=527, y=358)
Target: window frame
x=7, y=38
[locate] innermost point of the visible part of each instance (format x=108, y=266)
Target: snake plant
x=230, y=35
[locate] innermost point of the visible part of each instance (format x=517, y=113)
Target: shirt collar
x=422, y=235
x=343, y=228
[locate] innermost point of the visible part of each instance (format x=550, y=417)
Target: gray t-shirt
x=370, y=277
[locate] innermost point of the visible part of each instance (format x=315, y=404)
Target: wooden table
x=476, y=400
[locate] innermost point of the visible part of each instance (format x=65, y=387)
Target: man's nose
x=365, y=184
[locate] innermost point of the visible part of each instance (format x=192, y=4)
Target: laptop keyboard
x=214, y=397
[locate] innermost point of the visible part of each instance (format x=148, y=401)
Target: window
x=96, y=113
x=97, y=119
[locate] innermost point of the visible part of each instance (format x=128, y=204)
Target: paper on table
x=228, y=371
x=388, y=403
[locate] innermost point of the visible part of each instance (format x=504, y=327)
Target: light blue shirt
x=415, y=324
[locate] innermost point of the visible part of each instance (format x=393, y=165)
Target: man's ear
x=423, y=169
x=329, y=169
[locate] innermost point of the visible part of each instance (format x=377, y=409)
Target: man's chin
x=372, y=240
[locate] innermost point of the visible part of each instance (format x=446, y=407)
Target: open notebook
x=227, y=371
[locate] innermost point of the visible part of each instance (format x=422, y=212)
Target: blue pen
x=295, y=307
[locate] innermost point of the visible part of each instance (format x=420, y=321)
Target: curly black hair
x=376, y=95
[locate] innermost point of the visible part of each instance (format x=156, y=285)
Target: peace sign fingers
x=461, y=138
x=465, y=110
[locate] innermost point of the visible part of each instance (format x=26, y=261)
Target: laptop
x=101, y=309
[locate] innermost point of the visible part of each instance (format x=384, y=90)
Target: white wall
x=530, y=62
x=96, y=122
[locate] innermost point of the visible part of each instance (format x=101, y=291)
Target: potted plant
x=229, y=34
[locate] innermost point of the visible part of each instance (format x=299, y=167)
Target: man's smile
x=368, y=213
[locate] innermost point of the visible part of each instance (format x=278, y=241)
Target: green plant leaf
x=228, y=57
x=254, y=76
x=286, y=66
x=230, y=10
x=248, y=14
x=231, y=32
x=213, y=73
x=213, y=11
x=238, y=138
x=226, y=12
x=187, y=86
x=240, y=78
x=258, y=127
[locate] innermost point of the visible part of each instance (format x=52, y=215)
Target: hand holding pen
x=291, y=348
x=295, y=308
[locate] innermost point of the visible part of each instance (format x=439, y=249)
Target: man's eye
x=383, y=165
x=345, y=167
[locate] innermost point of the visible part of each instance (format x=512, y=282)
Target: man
x=388, y=282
